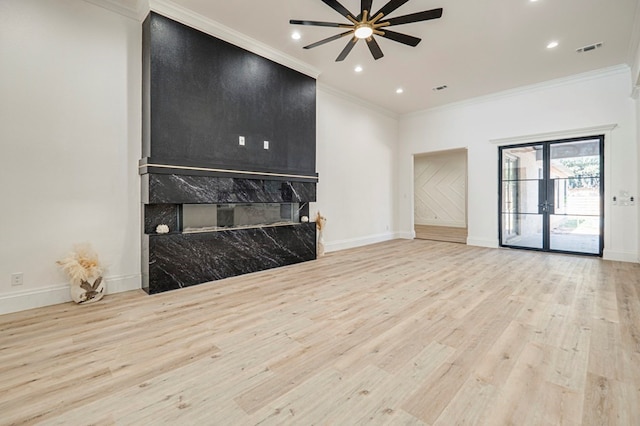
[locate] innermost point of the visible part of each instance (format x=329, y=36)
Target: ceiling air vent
x=439, y=88
x=589, y=48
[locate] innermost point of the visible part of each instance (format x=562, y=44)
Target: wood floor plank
x=402, y=332
x=496, y=366
x=468, y=406
x=610, y=402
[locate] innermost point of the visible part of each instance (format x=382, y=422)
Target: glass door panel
x=575, y=169
x=577, y=234
x=521, y=219
x=551, y=196
x=529, y=230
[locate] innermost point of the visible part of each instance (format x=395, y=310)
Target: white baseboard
x=123, y=283
x=482, y=242
x=53, y=295
x=360, y=241
x=406, y=235
x=620, y=256
x=36, y=298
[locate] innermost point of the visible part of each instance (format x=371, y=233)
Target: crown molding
x=545, y=85
x=352, y=98
x=188, y=17
x=134, y=9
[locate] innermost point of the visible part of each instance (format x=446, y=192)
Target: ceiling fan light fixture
x=364, y=26
x=363, y=31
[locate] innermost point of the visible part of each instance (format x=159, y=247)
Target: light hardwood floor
x=403, y=332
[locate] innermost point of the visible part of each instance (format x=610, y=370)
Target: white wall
x=356, y=157
x=585, y=101
x=70, y=90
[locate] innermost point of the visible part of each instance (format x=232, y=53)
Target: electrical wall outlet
x=266, y=144
x=241, y=140
x=17, y=279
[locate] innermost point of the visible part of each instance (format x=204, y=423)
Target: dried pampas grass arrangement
x=320, y=222
x=85, y=274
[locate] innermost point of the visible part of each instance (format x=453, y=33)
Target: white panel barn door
x=440, y=194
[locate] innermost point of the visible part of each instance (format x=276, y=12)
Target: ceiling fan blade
x=318, y=23
x=374, y=48
x=416, y=17
x=335, y=5
x=327, y=40
x=366, y=5
x=347, y=49
x=390, y=7
x=401, y=38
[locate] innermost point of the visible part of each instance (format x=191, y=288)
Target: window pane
x=575, y=159
x=575, y=234
x=577, y=196
x=522, y=163
x=520, y=196
x=523, y=230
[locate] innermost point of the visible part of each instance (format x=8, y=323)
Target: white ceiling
x=478, y=47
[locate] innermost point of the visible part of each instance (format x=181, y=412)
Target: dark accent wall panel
x=146, y=87
x=182, y=260
x=205, y=93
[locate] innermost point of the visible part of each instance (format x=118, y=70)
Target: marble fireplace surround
x=200, y=96
x=179, y=259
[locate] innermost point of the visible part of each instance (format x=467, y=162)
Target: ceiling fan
x=365, y=25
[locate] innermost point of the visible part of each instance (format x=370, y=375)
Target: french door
x=552, y=196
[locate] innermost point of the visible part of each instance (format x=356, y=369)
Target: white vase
x=89, y=291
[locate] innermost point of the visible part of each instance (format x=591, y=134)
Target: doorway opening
x=440, y=196
x=552, y=196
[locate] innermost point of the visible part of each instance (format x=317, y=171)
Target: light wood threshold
x=441, y=233
x=402, y=332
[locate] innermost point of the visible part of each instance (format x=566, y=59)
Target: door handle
x=546, y=206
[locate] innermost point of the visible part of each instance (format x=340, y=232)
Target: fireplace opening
x=214, y=217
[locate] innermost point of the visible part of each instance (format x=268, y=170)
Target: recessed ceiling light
x=533, y=1
x=296, y=35
x=399, y=90
x=358, y=69
x=552, y=45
